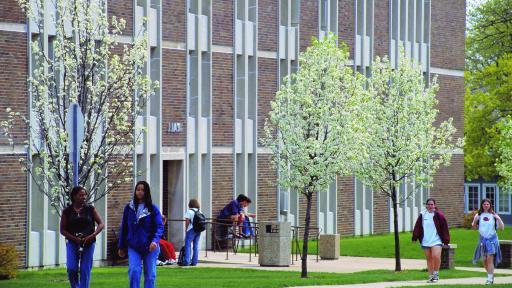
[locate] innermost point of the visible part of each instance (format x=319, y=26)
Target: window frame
x=466, y=193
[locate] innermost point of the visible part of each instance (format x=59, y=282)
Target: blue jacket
x=139, y=233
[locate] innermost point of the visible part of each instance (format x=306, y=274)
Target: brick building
x=220, y=63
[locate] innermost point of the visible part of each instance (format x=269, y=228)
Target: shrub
x=468, y=219
x=8, y=261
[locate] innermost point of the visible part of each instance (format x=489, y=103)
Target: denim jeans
x=192, y=237
x=85, y=265
x=135, y=262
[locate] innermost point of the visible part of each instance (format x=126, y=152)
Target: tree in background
x=314, y=121
x=488, y=99
x=80, y=66
x=404, y=145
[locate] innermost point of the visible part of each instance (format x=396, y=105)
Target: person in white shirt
x=488, y=247
x=191, y=237
x=431, y=229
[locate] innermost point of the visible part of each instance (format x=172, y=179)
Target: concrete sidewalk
x=343, y=265
x=478, y=281
x=347, y=264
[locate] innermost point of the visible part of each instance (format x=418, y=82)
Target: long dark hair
x=148, y=203
x=481, y=210
x=75, y=192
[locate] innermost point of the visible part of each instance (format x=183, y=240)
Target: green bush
x=468, y=219
x=8, y=261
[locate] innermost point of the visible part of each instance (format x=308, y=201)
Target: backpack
x=199, y=221
x=181, y=257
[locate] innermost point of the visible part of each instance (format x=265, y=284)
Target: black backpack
x=199, y=221
x=181, y=257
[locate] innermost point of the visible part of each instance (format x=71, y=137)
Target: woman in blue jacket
x=141, y=229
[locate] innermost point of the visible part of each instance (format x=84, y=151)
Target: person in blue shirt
x=231, y=215
x=140, y=233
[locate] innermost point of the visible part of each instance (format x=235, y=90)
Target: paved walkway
x=346, y=265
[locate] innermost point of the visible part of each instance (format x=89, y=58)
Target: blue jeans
x=192, y=237
x=135, y=262
x=72, y=258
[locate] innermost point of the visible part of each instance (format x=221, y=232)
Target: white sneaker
x=489, y=282
x=430, y=279
x=159, y=263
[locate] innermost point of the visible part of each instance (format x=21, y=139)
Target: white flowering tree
x=87, y=66
x=405, y=145
x=504, y=161
x=311, y=127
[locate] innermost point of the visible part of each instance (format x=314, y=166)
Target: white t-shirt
x=190, y=216
x=486, y=225
x=430, y=236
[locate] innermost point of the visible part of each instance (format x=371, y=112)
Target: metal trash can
x=274, y=243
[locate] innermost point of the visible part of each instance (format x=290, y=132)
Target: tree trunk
x=398, y=266
x=304, y=273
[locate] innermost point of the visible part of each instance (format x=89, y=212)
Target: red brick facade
x=11, y=12
x=222, y=102
x=222, y=23
x=267, y=189
x=174, y=95
x=222, y=181
x=308, y=25
x=345, y=217
x=122, y=9
x=174, y=16
x=13, y=210
x=13, y=81
x=447, y=51
x=447, y=32
x=268, y=25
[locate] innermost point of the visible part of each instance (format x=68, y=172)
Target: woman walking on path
x=77, y=224
x=431, y=229
x=488, y=247
x=140, y=232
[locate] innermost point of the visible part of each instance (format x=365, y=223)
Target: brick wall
x=174, y=96
x=122, y=9
x=267, y=88
x=346, y=23
x=174, y=17
x=381, y=28
x=222, y=23
x=222, y=181
x=345, y=217
x=448, y=190
x=222, y=102
x=13, y=210
x=380, y=213
x=10, y=11
x=268, y=25
x=447, y=31
x=267, y=189
x=308, y=25
x=13, y=81
x=116, y=201
x=451, y=102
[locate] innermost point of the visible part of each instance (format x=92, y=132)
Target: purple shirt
x=233, y=208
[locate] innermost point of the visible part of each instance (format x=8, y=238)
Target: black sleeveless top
x=80, y=224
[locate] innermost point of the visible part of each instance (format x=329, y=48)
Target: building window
x=490, y=193
x=472, y=197
x=504, y=201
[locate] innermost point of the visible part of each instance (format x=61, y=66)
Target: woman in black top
x=77, y=224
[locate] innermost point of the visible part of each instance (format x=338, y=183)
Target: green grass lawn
x=384, y=245
x=462, y=286
x=113, y=277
